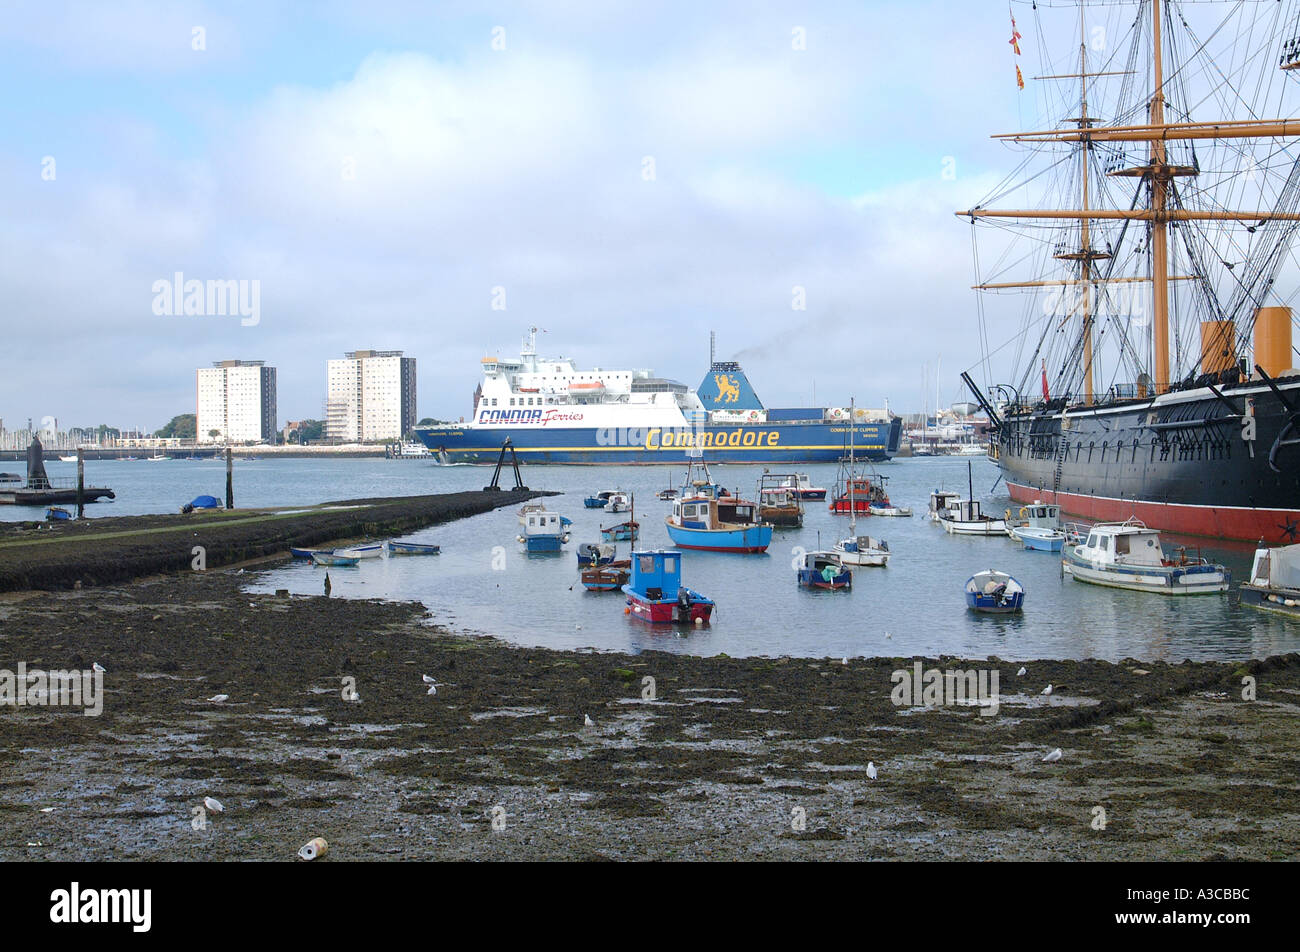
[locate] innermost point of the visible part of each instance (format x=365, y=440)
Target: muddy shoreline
x=722, y=763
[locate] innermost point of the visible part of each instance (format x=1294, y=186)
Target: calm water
x=529, y=600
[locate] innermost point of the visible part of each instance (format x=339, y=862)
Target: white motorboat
x=1274, y=584
x=1129, y=555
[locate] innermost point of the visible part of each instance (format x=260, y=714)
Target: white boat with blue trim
x=1129, y=555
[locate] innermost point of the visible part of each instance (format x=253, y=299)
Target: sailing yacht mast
x=853, y=505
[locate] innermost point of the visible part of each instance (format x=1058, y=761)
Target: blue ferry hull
x=810, y=442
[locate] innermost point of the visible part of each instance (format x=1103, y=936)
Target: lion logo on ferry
x=728, y=389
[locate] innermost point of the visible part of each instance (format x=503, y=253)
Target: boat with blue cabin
x=655, y=592
x=553, y=411
x=994, y=593
x=1129, y=555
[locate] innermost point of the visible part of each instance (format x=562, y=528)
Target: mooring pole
x=230, y=481
x=81, y=483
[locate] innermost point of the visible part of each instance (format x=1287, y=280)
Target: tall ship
x=552, y=411
x=1148, y=231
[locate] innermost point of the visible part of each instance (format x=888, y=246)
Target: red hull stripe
x=1215, y=522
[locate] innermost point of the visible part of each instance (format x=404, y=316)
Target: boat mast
x=1085, y=250
x=1159, y=233
x=853, y=506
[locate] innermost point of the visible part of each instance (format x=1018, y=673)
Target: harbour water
x=483, y=583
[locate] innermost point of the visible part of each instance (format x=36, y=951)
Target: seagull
x=1020, y=673
x=213, y=805
x=1046, y=690
x=587, y=721
x=240, y=572
x=433, y=689
x=1053, y=757
x=871, y=770
x=428, y=680
x=218, y=698
x=96, y=666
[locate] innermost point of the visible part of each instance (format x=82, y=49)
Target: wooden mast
x=1156, y=133
x=1159, y=230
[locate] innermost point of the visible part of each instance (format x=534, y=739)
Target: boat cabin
x=1277, y=569
x=705, y=512
x=1129, y=543
x=1041, y=516
x=656, y=575
x=543, y=522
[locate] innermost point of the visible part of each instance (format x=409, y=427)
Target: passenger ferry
x=554, y=412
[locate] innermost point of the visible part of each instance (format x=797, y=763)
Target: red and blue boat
x=655, y=592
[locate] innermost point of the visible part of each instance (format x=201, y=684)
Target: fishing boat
x=718, y=524
x=67, y=459
x=366, y=550
x=859, y=549
x=544, y=531
x=655, y=592
x=1129, y=555
x=309, y=553
x=1159, y=220
x=993, y=592
x=1274, y=584
x=412, y=548
x=669, y=493
x=595, y=553
x=857, y=493
x=598, y=500
x=628, y=531
x=822, y=570
x=778, y=503
x=966, y=517
x=610, y=577
x=333, y=559
x=57, y=514
x=802, y=485
x=618, y=501
x=1038, y=527
x=940, y=502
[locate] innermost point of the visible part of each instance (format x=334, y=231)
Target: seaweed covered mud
x=309, y=717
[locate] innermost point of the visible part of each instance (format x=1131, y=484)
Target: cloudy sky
x=632, y=175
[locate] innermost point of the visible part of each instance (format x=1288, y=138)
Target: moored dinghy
x=823, y=570
x=595, y=553
x=1274, y=584
x=609, y=577
x=331, y=559
x=412, y=548
x=308, y=553
x=1129, y=555
x=655, y=592
x=363, y=550
x=994, y=592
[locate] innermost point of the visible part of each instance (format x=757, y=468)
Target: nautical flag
x=1046, y=395
x=1020, y=80
x=1015, y=37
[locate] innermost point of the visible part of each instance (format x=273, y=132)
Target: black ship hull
x=1196, y=462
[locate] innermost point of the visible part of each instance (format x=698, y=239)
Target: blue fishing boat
x=544, y=531
x=1039, y=528
x=823, y=570
x=597, y=501
x=412, y=548
x=57, y=514
x=328, y=558
x=724, y=524
x=595, y=553
x=994, y=592
x=655, y=592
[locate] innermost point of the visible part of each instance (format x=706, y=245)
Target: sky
x=438, y=177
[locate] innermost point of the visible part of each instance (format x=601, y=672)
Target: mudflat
x=732, y=758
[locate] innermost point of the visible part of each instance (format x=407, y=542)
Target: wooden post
x=81, y=483
x=230, y=481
